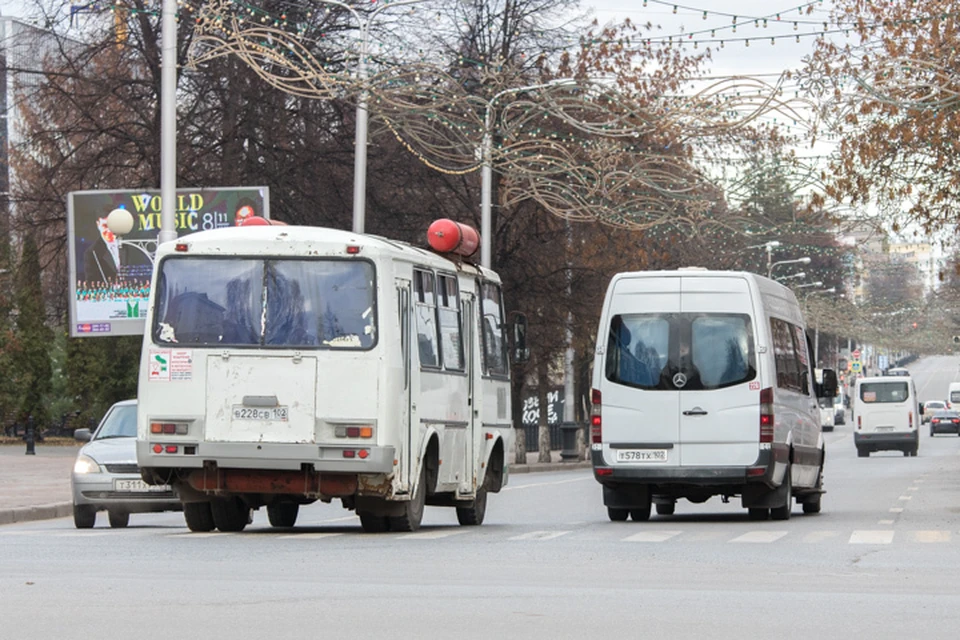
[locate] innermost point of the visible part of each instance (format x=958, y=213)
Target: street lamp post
x=770, y=267
x=818, y=283
x=360, y=138
x=769, y=246
x=168, y=122
x=486, y=169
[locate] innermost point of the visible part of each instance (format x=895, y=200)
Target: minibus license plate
x=641, y=455
x=256, y=413
x=138, y=486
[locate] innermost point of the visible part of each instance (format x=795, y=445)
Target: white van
x=953, y=394
x=887, y=415
x=702, y=386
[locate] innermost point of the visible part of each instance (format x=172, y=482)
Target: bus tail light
x=766, y=415
x=168, y=428
x=596, y=423
x=354, y=431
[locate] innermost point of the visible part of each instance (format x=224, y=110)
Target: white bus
x=285, y=365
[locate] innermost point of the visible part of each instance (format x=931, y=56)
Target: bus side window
x=425, y=304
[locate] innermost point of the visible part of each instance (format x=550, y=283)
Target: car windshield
x=120, y=422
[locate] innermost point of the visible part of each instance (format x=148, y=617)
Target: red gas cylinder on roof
x=257, y=221
x=447, y=236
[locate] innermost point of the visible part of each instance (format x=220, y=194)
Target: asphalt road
x=882, y=560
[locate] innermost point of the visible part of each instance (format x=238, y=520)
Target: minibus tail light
x=766, y=415
x=596, y=424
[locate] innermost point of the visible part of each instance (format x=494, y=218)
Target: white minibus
x=887, y=415
x=285, y=365
x=703, y=386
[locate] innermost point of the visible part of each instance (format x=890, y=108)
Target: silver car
x=106, y=475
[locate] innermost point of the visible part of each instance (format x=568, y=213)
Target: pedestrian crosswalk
x=630, y=533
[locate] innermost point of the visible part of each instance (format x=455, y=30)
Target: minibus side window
x=425, y=305
x=491, y=325
x=448, y=315
x=785, y=357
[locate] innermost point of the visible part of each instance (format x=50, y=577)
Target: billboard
x=109, y=275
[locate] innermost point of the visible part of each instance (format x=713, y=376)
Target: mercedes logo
x=679, y=380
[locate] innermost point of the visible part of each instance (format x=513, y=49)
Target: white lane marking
x=540, y=535
x=913, y=488
x=760, y=536
x=652, y=536
x=884, y=522
x=820, y=536
x=906, y=497
x=896, y=509
x=863, y=536
x=546, y=484
x=432, y=535
x=931, y=536
x=919, y=481
x=307, y=536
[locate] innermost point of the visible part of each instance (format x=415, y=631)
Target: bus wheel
x=230, y=514
x=373, y=523
x=198, y=516
x=473, y=514
x=283, y=514
x=640, y=515
x=413, y=509
x=666, y=508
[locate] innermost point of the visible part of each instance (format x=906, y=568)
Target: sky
x=736, y=57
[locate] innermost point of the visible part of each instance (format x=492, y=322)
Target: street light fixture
x=803, y=260
x=799, y=274
x=810, y=284
x=770, y=246
x=120, y=222
x=486, y=171
x=360, y=139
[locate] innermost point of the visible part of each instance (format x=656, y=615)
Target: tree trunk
x=543, y=424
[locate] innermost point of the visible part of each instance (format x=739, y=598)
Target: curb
x=39, y=512
x=550, y=466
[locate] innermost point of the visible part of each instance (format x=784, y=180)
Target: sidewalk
x=38, y=487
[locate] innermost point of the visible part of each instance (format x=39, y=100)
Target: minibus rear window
x=251, y=302
x=680, y=351
x=879, y=392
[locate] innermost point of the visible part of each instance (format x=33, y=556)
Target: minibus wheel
x=783, y=512
x=640, y=515
x=666, y=508
x=617, y=515
x=412, y=509
x=283, y=514
x=198, y=516
x=118, y=518
x=373, y=523
x=472, y=514
x=230, y=514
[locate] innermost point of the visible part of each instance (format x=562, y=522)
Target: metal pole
x=360, y=143
x=769, y=261
x=168, y=122
x=486, y=186
x=816, y=343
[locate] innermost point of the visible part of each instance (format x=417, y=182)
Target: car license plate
x=641, y=455
x=138, y=486
x=278, y=414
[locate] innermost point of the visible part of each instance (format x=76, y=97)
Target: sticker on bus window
x=869, y=396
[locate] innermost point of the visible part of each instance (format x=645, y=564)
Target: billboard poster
x=110, y=275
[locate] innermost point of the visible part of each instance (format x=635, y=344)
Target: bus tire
x=617, y=515
x=283, y=514
x=198, y=516
x=373, y=523
x=230, y=514
x=413, y=508
x=472, y=514
x=666, y=508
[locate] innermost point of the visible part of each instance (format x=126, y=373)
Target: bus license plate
x=277, y=414
x=138, y=486
x=641, y=455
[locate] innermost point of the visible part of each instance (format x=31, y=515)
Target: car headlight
x=85, y=464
